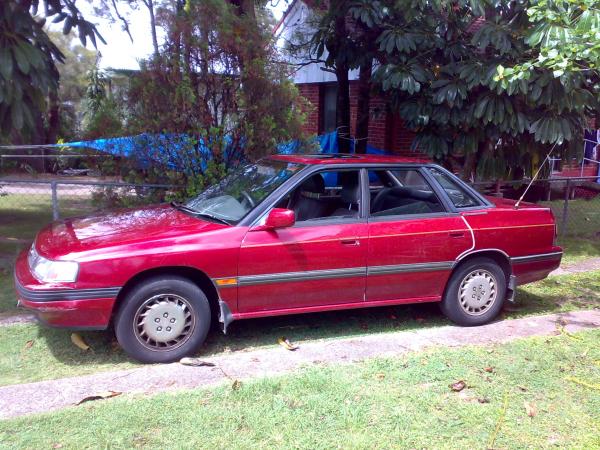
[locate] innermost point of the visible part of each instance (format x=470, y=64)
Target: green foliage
x=106, y=120
x=449, y=71
x=28, y=57
x=217, y=84
x=103, y=113
x=567, y=35
x=213, y=173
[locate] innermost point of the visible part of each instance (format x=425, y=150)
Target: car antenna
x=535, y=176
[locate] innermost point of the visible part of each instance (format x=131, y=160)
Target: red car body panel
x=435, y=243
x=368, y=262
x=301, y=249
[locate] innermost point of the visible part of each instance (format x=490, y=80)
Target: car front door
x=318, y=262
x=413, y=239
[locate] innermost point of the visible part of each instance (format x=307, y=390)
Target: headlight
x=50, y=271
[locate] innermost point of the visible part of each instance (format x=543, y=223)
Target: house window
x=328, y=107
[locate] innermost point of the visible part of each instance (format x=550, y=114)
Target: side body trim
x=404, y=268
x=534, y=258
x=267, y=278
x=300, y=276
x=65, y=294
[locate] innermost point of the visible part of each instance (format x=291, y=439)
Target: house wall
x=386, y=130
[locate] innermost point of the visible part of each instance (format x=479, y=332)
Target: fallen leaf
x=489, y=369
x=196, y=362
x=285, y=343
x=458, y=386
x=530, y=409
x=79, y=342
x=29, y=343
x=57, y=445
x=236, y=385
x=100, y=396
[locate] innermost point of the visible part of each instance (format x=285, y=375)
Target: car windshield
x=242, y=190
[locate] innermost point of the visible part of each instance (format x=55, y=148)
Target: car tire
x=163, y=319
x=475, y=293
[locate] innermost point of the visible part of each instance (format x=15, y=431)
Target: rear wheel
x=163, y=319
x=475, y=293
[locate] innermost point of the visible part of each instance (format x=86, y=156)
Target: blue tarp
x=180, y=151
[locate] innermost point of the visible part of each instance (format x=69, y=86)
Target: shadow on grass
x=247, y=335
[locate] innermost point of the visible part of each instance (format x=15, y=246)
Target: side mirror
x=277, y=218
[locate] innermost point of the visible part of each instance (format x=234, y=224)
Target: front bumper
x=62, y=306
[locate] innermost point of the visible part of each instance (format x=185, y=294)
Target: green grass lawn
x=583, y=217
x=577, y=249
x=518, y=395
x=52, y=354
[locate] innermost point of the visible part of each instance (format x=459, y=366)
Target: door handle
x=350, y=242
x=456, y=234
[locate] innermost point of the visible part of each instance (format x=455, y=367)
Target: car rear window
x=459, y=196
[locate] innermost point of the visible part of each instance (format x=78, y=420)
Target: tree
x=342, y=39
x=29, y=77
x=332, y=35
x=217, y=85
x=102, y=112
x=441, y=65
x=564, y=39
x=79, y=61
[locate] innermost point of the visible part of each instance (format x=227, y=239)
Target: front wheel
x=475, y=293
x=163, y=319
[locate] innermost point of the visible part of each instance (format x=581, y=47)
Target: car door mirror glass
x=277, y=218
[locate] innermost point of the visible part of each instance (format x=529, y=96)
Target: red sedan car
x=287, y=235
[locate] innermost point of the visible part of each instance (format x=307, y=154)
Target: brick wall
x=310, y=92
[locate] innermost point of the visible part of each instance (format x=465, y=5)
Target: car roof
x=346, y=158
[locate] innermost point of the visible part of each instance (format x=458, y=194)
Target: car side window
x=326, y=195
x=401, y=192
x=458, y=195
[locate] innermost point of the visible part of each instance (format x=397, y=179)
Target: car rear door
x=414, y=239
x=319, y=262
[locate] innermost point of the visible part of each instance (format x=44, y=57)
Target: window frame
x=258, y=214
x=396, y=217
x=484, y=203
x=304, y=175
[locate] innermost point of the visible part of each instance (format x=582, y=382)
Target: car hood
x=121, y=227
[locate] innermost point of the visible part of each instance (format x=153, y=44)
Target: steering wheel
x=248, y=198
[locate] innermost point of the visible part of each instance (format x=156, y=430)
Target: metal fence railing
x=575, y=202
x=66, y=198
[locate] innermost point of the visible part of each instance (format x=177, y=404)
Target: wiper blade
x=215, y=218
x=183, y=207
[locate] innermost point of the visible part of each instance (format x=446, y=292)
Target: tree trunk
x=343, y=93
x=364, y=105
x=150, y=5
x=342, y=120
x=53, y=117
x=254, y=82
